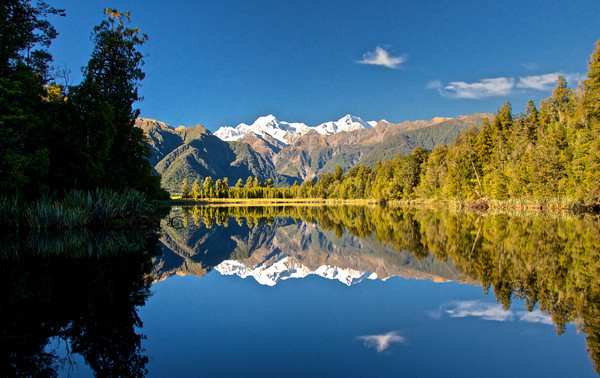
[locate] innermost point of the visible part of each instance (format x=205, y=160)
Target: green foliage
x=82, y=137
x=185, y=188
x=76, y=209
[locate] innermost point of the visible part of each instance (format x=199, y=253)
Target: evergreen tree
x=185, y=188
x=208, y=187
x=25, y=117
x=196, y=189
x=591, y=87
x=103, y=103
x=591, y=141
x=338, y=174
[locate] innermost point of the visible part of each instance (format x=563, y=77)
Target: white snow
x=287, y=132
x=287, y=267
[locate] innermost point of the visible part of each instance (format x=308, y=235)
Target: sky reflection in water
x=221, y=325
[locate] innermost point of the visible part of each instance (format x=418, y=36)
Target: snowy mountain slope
x=288, y=133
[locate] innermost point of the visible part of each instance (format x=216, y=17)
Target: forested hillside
x=195, y=153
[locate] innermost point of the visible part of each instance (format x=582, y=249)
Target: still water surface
x=345, y=291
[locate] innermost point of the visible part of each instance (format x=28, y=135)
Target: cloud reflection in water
x=487, y=311
x=382, y=342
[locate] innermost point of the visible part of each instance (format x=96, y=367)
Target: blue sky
x=223, y=62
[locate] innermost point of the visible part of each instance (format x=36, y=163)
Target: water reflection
x=382, y=342
x=77, y=293
x=552, y=261
x=84, y=290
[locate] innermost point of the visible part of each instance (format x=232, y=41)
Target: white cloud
x=500, y=86
x=535, y=316
x=487, y=311
x=380, y=57
x=382, y=342
x=540, y=82
x=574, y=79
x=436, y=315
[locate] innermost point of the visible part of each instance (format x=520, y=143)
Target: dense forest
x=543, y=157
x=55, y=136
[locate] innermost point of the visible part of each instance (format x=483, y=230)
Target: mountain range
x=288, y=151
x=287, y=133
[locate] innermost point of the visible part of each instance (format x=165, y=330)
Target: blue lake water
x=297, y=292
x=228, y=326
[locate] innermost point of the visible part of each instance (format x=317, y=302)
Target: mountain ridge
x=288, y=132
x=195, y=152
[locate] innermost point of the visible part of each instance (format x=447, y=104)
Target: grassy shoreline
x=77, y=209
x=266, y=201
x=554, y=204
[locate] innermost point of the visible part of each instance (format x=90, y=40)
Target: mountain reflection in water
x=551, y=260
x=80, y=293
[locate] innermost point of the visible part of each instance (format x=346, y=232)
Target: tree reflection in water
x=82, y=290
x=551, y=260
x=85, y=290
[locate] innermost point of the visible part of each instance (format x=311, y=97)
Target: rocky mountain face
x=285, y=151
x=195, y=153
x=315, y=153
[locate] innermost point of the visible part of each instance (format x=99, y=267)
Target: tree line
x=58, y=136
x=546, y=155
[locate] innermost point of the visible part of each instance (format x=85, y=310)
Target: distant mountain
x=314, y=154
x=286, y=152
x=287, y=133
x=195, y=153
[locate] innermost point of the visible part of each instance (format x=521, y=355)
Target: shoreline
x=479, y=206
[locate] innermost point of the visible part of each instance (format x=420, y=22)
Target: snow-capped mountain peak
x=287, y=132
x=266, y=120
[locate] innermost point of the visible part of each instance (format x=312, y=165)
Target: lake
x=307, y=291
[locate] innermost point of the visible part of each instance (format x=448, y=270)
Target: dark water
x=307, y=291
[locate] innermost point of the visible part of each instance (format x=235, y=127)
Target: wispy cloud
x=501, y=86
x=535, y=316
x=381, y=57
x=539, y=82
x=382, y=342
x=487, y=311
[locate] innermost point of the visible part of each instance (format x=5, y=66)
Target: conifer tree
x=111, y=147
x=591, y=108
x=185, y=188
x=25, y=119
x=591, y=88
x=196, y=190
